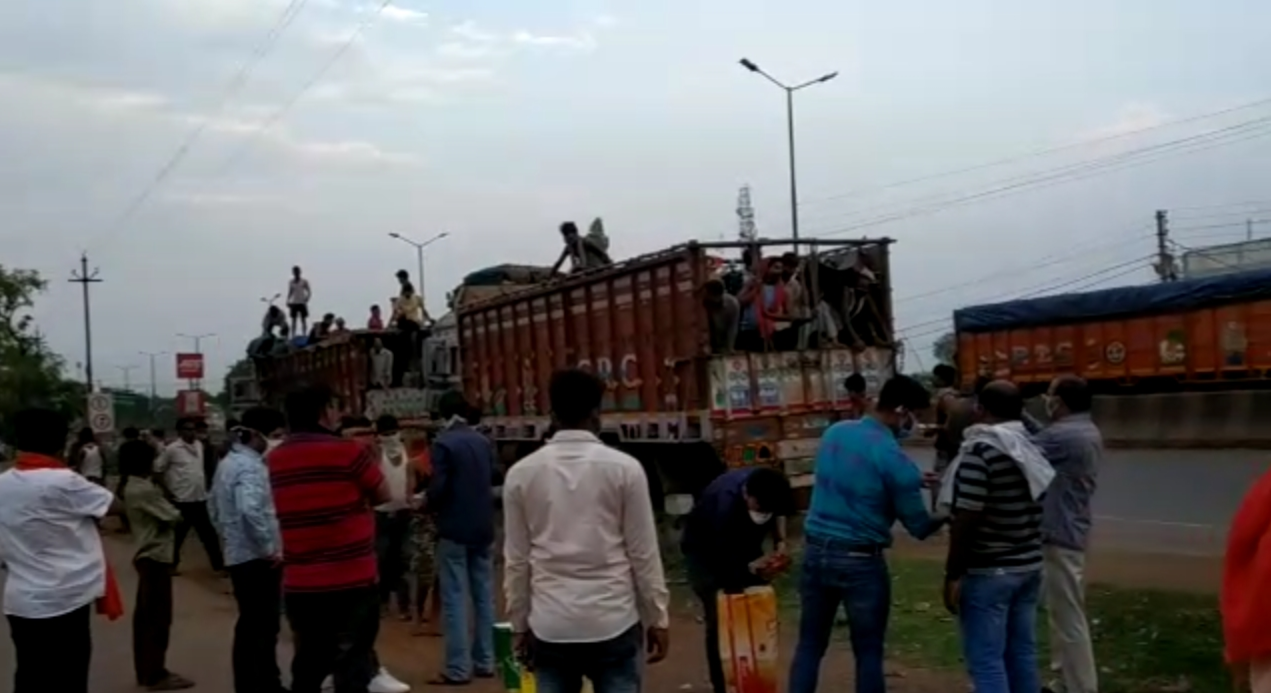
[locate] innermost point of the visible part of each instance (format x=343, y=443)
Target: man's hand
x=780, y=548
x=658, y=642
x=930, y=479
x=952, y=595
x=522, y=645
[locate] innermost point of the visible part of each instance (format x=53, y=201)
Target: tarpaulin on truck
x=1122, y=301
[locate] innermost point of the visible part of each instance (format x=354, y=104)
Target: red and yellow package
x=748, y=640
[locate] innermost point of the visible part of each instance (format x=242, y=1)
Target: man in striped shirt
x=324, y=489
x=993, y=572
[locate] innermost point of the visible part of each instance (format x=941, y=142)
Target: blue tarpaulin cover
x=1122, y=301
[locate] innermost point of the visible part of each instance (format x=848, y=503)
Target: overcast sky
x=495, y=121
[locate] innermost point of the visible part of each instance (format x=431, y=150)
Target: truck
x=1211, y=332
x=639, y=325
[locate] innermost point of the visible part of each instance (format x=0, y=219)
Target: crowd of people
x=328, y=531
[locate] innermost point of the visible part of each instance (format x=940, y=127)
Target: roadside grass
x=1146, y=641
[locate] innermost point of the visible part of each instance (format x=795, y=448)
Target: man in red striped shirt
x=324, y=489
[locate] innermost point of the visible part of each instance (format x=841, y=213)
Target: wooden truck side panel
x=637, y=328
x=1190, y=345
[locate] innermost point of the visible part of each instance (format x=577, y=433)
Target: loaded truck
x=1210, y=333
x=640, y=325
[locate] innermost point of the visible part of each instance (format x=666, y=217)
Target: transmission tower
x=745, y=215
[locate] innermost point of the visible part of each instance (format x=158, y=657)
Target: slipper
x=444, y=680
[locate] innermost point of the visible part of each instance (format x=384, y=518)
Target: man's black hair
x=158, y=433
x=1002, y=400
x=981, y=382
x=903, y=391
x=387, y=423
x=453, y=404
x=473, y=416
x=855, y=384
x=41, y=431
x=569, y=228
x=771, y=490
x=945, y=373
x=306, y=405
x=200, y=423
x=403, y=274
x=1074, y=392
x=263, y=420
x=575, y=395
x=131, y=433
x=232, y=423
x=188, y=422
x=136, y=459
x=86, y=436
x=713, y=288
x=295, y=268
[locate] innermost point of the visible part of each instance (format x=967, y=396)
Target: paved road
x=1171, y=501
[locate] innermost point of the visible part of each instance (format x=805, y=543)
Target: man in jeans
x=993, y=571
x=242, y=508
x=461, y=495
x=583, y=571
x=864, y=484
x=324, y=488
x=1074, y=447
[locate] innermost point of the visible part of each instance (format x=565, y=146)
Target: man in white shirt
x=180, y=471
x=583, y=571
x=381, y=365
x=298, y=294
x=52, y=553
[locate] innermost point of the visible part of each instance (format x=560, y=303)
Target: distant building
x=1214, y=260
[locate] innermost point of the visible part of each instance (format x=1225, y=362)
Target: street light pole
x=419, y=255
x=790, y=90
x=154, y=392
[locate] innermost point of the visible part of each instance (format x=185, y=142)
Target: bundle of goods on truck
x=1194, y=330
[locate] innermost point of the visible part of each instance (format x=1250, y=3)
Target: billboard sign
x=190, y=366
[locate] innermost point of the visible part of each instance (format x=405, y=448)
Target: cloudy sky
x=495, y=121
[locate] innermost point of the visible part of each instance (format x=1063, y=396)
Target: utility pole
x=84, y=278
x=154, y=393
x=127, y=371
x=1165, y=268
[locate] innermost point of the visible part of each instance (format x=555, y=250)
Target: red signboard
x=191, y=403
x=190, y=366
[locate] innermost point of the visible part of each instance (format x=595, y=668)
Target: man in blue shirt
x=864, y=484
x=724, y=536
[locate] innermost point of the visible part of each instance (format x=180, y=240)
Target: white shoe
x=328, y=684
x=385, y=682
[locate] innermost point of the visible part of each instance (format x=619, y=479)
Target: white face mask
x=760, y=518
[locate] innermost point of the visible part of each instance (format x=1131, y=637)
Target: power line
x=288, y=15
x=1079, y=171
x=1043, y=152
x=278, y=115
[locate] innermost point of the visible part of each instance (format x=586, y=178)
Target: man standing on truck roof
x=864, y=483
x=298, y=295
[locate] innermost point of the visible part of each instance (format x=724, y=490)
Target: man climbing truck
x=644, y=327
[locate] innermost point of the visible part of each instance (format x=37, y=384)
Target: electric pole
x=154, y=394
x=127, y=371
x=1165, y=268
x=84, y=278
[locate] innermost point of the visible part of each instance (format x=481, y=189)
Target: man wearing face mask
x=392, y=519
x=864, y=484
x=723, y=542
x=242, y=509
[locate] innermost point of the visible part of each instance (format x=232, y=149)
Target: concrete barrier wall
x=1186, y=420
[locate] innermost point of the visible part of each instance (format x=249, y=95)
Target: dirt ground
x=205, y=614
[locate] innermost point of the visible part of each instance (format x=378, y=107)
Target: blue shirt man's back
x=461, y=491
x=864, y=483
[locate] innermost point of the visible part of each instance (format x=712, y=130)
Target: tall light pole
x=154, y=392
x=127, y=371
x=419, y=251
x=790, y=90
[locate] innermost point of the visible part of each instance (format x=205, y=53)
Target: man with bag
x=723, y=543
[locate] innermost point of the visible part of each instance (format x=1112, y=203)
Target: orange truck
x=640, y=326
x=1206, y=332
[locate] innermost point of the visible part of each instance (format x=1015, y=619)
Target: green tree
x=30, y=373
x=944, y=349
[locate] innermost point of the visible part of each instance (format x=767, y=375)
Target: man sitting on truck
x=723, y=313
x=585, y=252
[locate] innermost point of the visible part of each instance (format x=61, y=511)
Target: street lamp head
x=394, y=234
x=745, y=62
x=828, y=77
